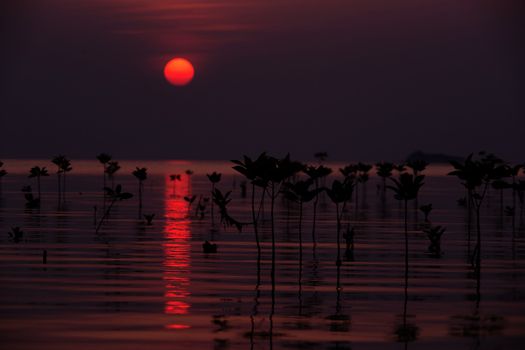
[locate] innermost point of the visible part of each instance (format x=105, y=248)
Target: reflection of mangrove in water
x=476, y=325
x=176, y=251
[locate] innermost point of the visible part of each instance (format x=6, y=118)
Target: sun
x=179, y=71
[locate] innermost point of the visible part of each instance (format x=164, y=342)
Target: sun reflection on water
x=177, y=250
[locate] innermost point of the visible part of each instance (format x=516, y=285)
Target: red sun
x=179, y=71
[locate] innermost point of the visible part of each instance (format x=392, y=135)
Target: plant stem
x=255, y=228
x=106, y=213
x=315, y=211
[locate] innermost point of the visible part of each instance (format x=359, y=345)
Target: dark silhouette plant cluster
x=269, y=179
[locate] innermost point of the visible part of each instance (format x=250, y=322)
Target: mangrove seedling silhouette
x=274, y=172
x=299, y=192
x=208, y=247
x=434, y=234
x=384, y=171
x=38, y=172
x=141, y=174
x=104, y=159
x=173, y=179
x=113, y=195
x=316, y=174
x=16, y=234
x=214, y=178
x=58, y=160
x=253, y=172
x=190, y=201
x=111, y=169
x=426, y=209
x=362, y=178
x=149, y=219
x=340, y=193
x=222, y=201
x=200, y=209
x=406, y=188
x=63, y=166
x=476, y=175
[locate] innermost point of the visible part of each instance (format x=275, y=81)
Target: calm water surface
x=135, y=286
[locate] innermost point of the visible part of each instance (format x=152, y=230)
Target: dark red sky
x=361, y=79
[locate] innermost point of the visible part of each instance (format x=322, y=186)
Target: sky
x=360, y=79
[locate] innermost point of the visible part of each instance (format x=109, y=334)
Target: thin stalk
x=104, y=188
x=106, y=213
x=140, y=199
x=38, y=185
x=338, y=234
x=273, y=234
x=406, y=240
x=256, y=231
x=315, y=211
x=64, y=188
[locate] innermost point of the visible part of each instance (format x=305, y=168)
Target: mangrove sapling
x=477, y=175
x=362, y=177
x=58, y=160
x=434, y=234
x=350, y=172
x=222, y=201
x=214, y=178
x=253, y=172
x=316, y=174
x=209, y=248
x=113, y=196
x=406, y=188
x=16, y=234
x=103, y=159
x=200, y=209
x=65, y=167
x=274, y=171
x=299, y=192
x=38, y=172
x=384, y=171
x=141, y=174
x=190, y=201
x=289, y=170
x=340, y=193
